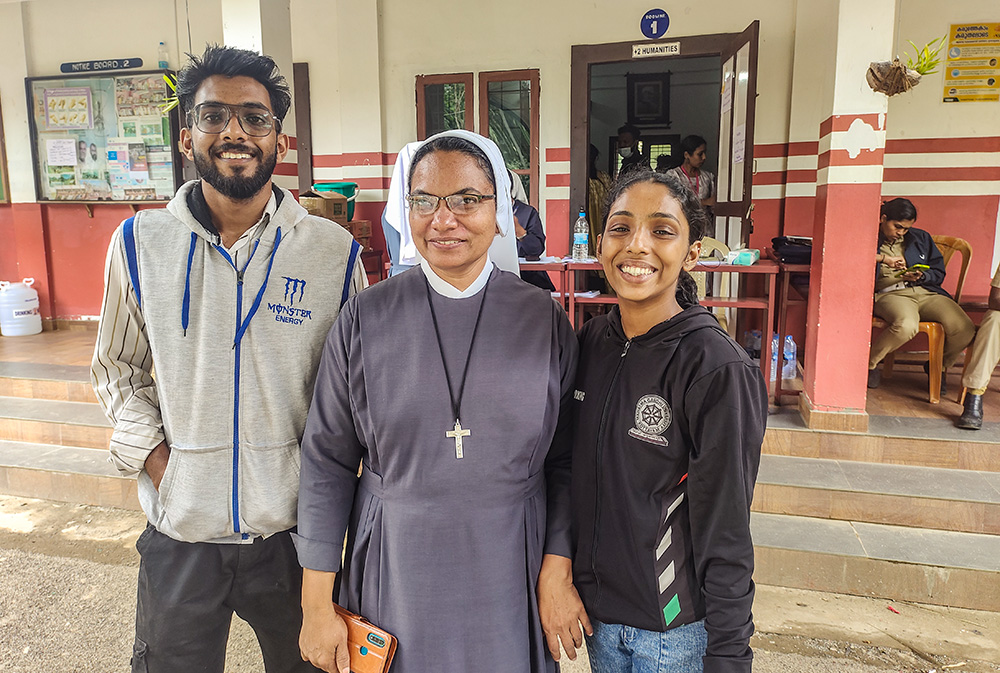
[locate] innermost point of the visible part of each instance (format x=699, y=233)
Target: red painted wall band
x=557, y=180
x=958, y=174
x=941, y=145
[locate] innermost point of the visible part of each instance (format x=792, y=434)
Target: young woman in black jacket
x=904, y=296
x=669, y=420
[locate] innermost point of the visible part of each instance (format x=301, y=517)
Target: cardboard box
x=331, y=205
x=361, y=230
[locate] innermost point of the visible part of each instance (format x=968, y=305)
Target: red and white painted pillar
x=848, y=197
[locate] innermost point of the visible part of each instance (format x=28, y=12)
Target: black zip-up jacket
x=919, y=248
x=668, y=430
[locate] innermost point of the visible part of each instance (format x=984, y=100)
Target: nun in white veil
x=403, y=251
x=450, y=386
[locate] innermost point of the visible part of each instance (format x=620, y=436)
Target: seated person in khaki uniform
x=982, y=360
x=904, y=300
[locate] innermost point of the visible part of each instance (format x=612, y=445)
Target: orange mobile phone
x=371, y=648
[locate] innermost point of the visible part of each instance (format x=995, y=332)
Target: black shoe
x=874, y=377
x=944, y=378
x=972, y=417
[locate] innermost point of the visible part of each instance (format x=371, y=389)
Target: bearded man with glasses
x=228, y=293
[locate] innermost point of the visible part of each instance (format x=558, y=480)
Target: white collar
x=446, y=289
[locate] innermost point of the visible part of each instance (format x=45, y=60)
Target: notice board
x=103, y=137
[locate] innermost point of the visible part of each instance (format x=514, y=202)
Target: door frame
x=586, y=55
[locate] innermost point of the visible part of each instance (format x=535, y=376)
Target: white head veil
x=503, y=251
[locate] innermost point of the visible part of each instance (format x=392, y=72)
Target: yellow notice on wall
x=972, y=69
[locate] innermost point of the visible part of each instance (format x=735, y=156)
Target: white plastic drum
x=19, y=311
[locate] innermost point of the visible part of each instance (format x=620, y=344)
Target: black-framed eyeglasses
x=214, y=118
x=460, y=204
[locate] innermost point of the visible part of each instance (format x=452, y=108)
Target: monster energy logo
x=293, y=285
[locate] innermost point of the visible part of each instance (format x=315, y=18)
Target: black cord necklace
x=456, y=402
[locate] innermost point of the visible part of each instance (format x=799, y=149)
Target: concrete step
x=867, y=559
x=78, y=424
x=68, y=383
x=923, y=442
x=64, y=473
x=921, y=497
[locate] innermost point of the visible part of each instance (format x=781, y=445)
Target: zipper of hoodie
x=236, y=381
x=599, y=459
x=236, y=406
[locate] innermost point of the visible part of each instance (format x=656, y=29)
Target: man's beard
x=238, y=187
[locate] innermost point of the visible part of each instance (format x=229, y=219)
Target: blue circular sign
x=654, y=23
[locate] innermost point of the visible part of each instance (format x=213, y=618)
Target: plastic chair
x=948, y=245
x=709, y=246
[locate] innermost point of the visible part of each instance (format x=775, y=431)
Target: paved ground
x=67, y=599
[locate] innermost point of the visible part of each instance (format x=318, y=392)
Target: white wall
x=12, y=103
x=83, y=30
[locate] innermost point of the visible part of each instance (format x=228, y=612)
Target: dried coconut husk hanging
x=891, y=78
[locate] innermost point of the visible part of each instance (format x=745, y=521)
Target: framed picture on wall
x=4, y=187
x=649, y=99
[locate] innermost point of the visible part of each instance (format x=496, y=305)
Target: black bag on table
x=793, y=249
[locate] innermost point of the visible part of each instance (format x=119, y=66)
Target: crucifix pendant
x=457, y=435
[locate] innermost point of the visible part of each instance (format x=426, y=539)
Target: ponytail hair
x=687, y=290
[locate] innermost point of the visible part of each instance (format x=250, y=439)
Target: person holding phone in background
x=909, y=270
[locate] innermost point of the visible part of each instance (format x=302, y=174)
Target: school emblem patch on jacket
x=652, y=418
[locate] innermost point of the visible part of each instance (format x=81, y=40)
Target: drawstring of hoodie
x=186, y=300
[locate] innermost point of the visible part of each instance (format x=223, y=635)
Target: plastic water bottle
x=581, y=232
x=775, y=345
x=790, y=369
x=161, y=53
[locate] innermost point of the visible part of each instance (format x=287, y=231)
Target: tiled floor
x=905, y=395
x=62, y=347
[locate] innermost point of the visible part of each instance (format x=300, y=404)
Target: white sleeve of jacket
x=121, y=371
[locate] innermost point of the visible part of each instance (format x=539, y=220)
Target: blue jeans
x=615, y=648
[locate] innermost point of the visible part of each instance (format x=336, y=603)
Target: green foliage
x=172, y=100
x=927, y=58
x=509, y=131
